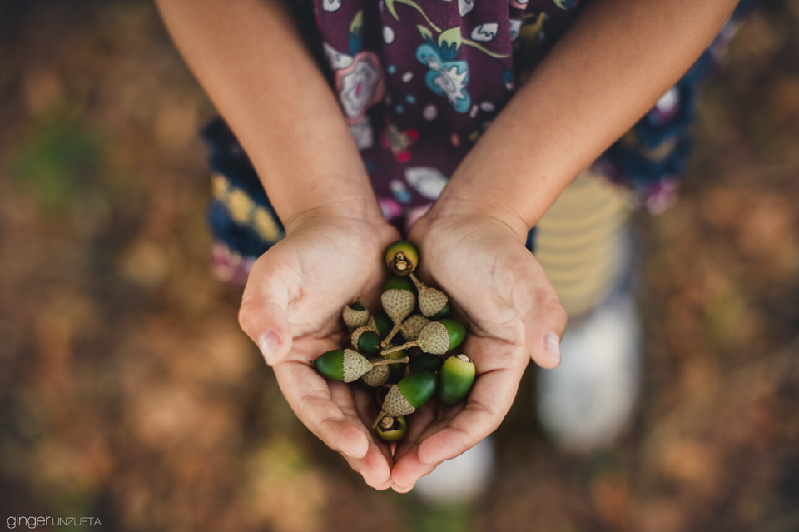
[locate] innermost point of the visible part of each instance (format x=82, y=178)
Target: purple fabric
x=419, y=81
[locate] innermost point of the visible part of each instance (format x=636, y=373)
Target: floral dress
x=419, y=81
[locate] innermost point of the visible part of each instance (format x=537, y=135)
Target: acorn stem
x=399, y=348
x=419, y=284
x=394, y=330
x=403, y=360
x=380, y=416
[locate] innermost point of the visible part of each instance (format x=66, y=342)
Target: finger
x=409, y=468
x=488, y=403
x=262, y=314
x=373, y=467
x=329, y=412
x=543, y=315
x=309, y=395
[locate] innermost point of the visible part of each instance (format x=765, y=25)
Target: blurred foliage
x=53, y=163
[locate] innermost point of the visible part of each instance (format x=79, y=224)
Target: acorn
x=378, y=375
x=436, y=338
x=398, y=301
x=397, y=368
x=424, y=361
x=392, y=428
x=409, y=394
x=342, y=365
x=455, y=379
x=431, y=300
x=366, y=339
x=411, y=327
x=382, y=323
x=443, y=313
x=402, y=257
x=355, y=315
x=345, y=365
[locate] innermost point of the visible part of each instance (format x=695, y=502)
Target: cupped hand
x=292, y=309
x=512, y=314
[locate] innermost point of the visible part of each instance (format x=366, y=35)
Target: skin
x=607, y=71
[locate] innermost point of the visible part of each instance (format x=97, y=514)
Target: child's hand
x=512, y=313
x=292, y=309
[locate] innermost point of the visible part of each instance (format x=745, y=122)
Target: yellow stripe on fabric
x=244, y=211
x=578, y=242
x=583, y=236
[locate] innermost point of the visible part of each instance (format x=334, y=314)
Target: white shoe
x=461, y=479
x=587, y=401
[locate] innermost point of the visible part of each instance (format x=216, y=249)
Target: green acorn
x=431, y=300
x=392, y=428
x=342, y=365
x=355, y=315
x=402, y=257
x=366, y=339
x=443, y=313
x=436, y=338
x=398, y=301
x=397, y=368
x=345, y=365
x=424, y=361
x=378, y=375
x=411, y=327
x=455, y=379
x=382, y=323
x=409, y=394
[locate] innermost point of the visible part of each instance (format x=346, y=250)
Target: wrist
x=357, y=208
x=454, y=206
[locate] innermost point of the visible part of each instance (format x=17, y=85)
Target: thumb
x=262, y=315
x=542, y=313
x=266, y=323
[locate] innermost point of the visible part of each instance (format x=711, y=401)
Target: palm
x=298, y=289
x=489, y=276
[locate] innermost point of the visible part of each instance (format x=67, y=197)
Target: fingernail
x=399, y=489
x=552, y=345
x=268, y=345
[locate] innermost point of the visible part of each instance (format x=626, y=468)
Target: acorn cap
x=434, y=338
x=377, y=376
x=398, y=304
x=357, y=334
x=355, y=365
x=431, y=301
x=355, y=315
x=411, y=327
x=395, y=404
x=455, y=379
x=402, y=257
x=417, y=388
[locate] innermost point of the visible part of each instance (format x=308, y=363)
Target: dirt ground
x=128, y=393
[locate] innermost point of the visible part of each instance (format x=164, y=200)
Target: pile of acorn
x=406, y=374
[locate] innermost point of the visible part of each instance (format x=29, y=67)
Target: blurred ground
x=128, y=393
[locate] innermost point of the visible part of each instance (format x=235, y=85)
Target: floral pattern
x=360, y=85
x=399, y=142
x=445, y=78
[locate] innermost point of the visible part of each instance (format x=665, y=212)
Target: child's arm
x=618, y=58
x=255, y=67
x=609, y=69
